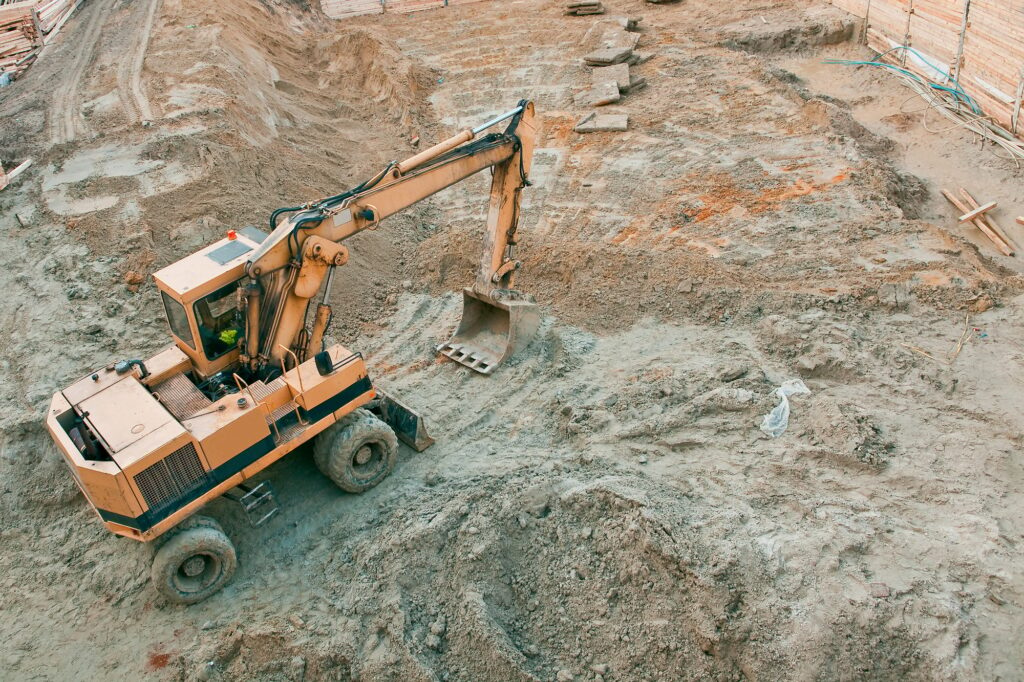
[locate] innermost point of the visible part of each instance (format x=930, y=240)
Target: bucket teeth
x=490, y=330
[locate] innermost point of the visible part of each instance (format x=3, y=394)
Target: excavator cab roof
x=196, y=292
x=210, y=267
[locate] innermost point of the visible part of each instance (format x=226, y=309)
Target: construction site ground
x=605, y=506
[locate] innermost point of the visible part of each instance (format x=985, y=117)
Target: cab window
x=219, y=321
x=177, y=319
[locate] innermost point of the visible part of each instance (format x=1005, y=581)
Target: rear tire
x=194, y=521
x=193, y=564
x=357, y=453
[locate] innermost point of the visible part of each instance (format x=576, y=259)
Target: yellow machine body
x=160, y=447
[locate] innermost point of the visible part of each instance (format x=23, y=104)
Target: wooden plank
x=5, y=180
x=343, y=9
x=989, y=220
x=970, y=216
x=986, y=230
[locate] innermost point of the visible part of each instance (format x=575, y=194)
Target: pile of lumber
x=26, y=26
x=20, y=35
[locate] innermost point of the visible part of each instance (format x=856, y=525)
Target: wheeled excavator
x=248, y=379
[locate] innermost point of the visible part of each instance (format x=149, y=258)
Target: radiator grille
x=172, y=478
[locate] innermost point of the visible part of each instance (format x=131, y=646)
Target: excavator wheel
x=194, y=563
x=357, y=453
x=194, y=521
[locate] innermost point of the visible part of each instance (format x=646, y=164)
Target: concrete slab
x=603, y=123
x=608, y=55
x=618, y=73
x=599, y=95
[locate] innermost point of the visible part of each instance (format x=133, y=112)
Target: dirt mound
x=358, y=62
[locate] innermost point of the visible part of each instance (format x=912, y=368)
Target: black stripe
x=215, y=477
x=339, y=400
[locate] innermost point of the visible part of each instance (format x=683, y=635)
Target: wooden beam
x=985, y=218
x=1000, y=244
x=968, y=217
x=9, y=177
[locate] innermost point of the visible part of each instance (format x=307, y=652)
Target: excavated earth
x=605, y=507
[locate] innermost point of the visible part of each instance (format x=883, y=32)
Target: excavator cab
x=200, y=294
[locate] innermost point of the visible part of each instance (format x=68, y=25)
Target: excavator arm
x=291, y=265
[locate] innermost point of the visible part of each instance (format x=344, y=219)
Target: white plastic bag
x=776, y=421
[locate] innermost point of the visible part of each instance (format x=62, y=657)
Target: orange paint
x=625, y=234
x=158, y=661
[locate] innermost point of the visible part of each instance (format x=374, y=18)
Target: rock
x=981, y=304
x=134, y=278
x=433, y=641
x=685, y=286
x=732, y=372
x=603, y=123
x=439, y=626
x=296, y=621
x=618, y=73
x=599, y=95
x=208, y=625
x=637, y=83
x=879, y=590
x=611, y=400
x=894, y=295
x=600, y=668
x=608, y=55
x=642, y=459
x=407, y=284
x=564, y=676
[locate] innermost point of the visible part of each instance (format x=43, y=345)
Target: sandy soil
x=606, y=507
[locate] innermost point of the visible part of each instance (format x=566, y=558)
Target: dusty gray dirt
x=605, y=507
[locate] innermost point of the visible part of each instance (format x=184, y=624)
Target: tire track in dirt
x=129, y=74
x=66, y=121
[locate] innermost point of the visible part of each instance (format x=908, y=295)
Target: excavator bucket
x=403, y=420
x=492, y=330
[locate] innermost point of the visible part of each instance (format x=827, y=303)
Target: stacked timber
x=53, y=13
x=20, y=36
x=25, y=27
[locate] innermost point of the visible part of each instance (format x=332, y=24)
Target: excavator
x=249, y=378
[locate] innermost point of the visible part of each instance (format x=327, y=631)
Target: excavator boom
x=298, y=256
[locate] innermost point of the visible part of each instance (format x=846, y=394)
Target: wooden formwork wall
x=980, y=43
x=341, y=9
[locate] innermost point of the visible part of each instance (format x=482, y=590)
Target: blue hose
x=957, y=91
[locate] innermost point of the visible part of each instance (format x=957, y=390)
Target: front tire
x=194, y=564
x=357, y=453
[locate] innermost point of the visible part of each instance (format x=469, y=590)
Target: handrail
x=284, y=371
x=243, y=385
